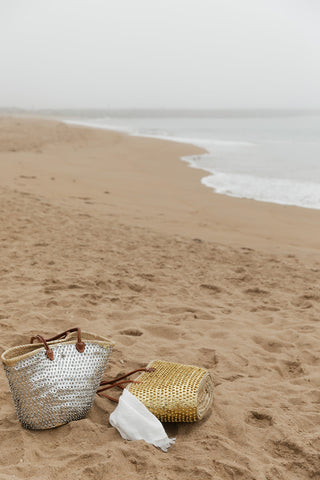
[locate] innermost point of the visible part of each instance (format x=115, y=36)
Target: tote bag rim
x=15, y=354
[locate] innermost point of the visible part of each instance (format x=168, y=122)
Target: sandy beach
x=116, y=234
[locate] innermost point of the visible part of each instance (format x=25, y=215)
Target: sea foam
x=274, y=190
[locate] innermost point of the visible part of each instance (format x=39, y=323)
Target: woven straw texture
x=175, y=392
x=48, y=393
x=13, y=355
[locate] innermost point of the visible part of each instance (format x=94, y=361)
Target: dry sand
x=116, y=235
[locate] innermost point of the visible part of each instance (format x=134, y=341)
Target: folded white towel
x=135, y=422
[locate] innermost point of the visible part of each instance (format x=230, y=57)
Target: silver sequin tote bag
x=54, y=381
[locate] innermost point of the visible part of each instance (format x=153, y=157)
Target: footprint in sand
x=259, y=419
x=293, y=368
x=288, y=450
x=209, y=359
x=132, y=332
x=211, y=288
x=272, y=344
x=256, y=291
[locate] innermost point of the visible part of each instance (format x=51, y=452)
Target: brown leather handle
x=49, y=352
x=119, y=382
x=80, y=345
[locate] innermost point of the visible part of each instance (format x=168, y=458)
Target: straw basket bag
x=174, y=392
x=54, y=382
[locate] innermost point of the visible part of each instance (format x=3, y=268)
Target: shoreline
x=229, y=182
x=177, y=200
x=210, y=176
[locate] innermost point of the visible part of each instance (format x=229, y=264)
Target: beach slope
x=116, y=235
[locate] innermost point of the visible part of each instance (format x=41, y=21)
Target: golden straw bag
x=171, y=391
x=54, y=382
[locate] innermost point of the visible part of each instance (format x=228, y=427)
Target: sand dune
x=94, y=234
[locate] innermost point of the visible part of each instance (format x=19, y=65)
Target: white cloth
x=135, y=422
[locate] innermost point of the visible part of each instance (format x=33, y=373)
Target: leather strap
x=80, y=345
x=49, y=352
x=119, y=382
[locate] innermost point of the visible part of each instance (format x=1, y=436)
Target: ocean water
x=266, y=156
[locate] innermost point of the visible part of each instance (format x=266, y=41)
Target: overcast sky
x=160, y=53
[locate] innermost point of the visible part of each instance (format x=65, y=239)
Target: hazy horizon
x=171, y=55
x=164, y=112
